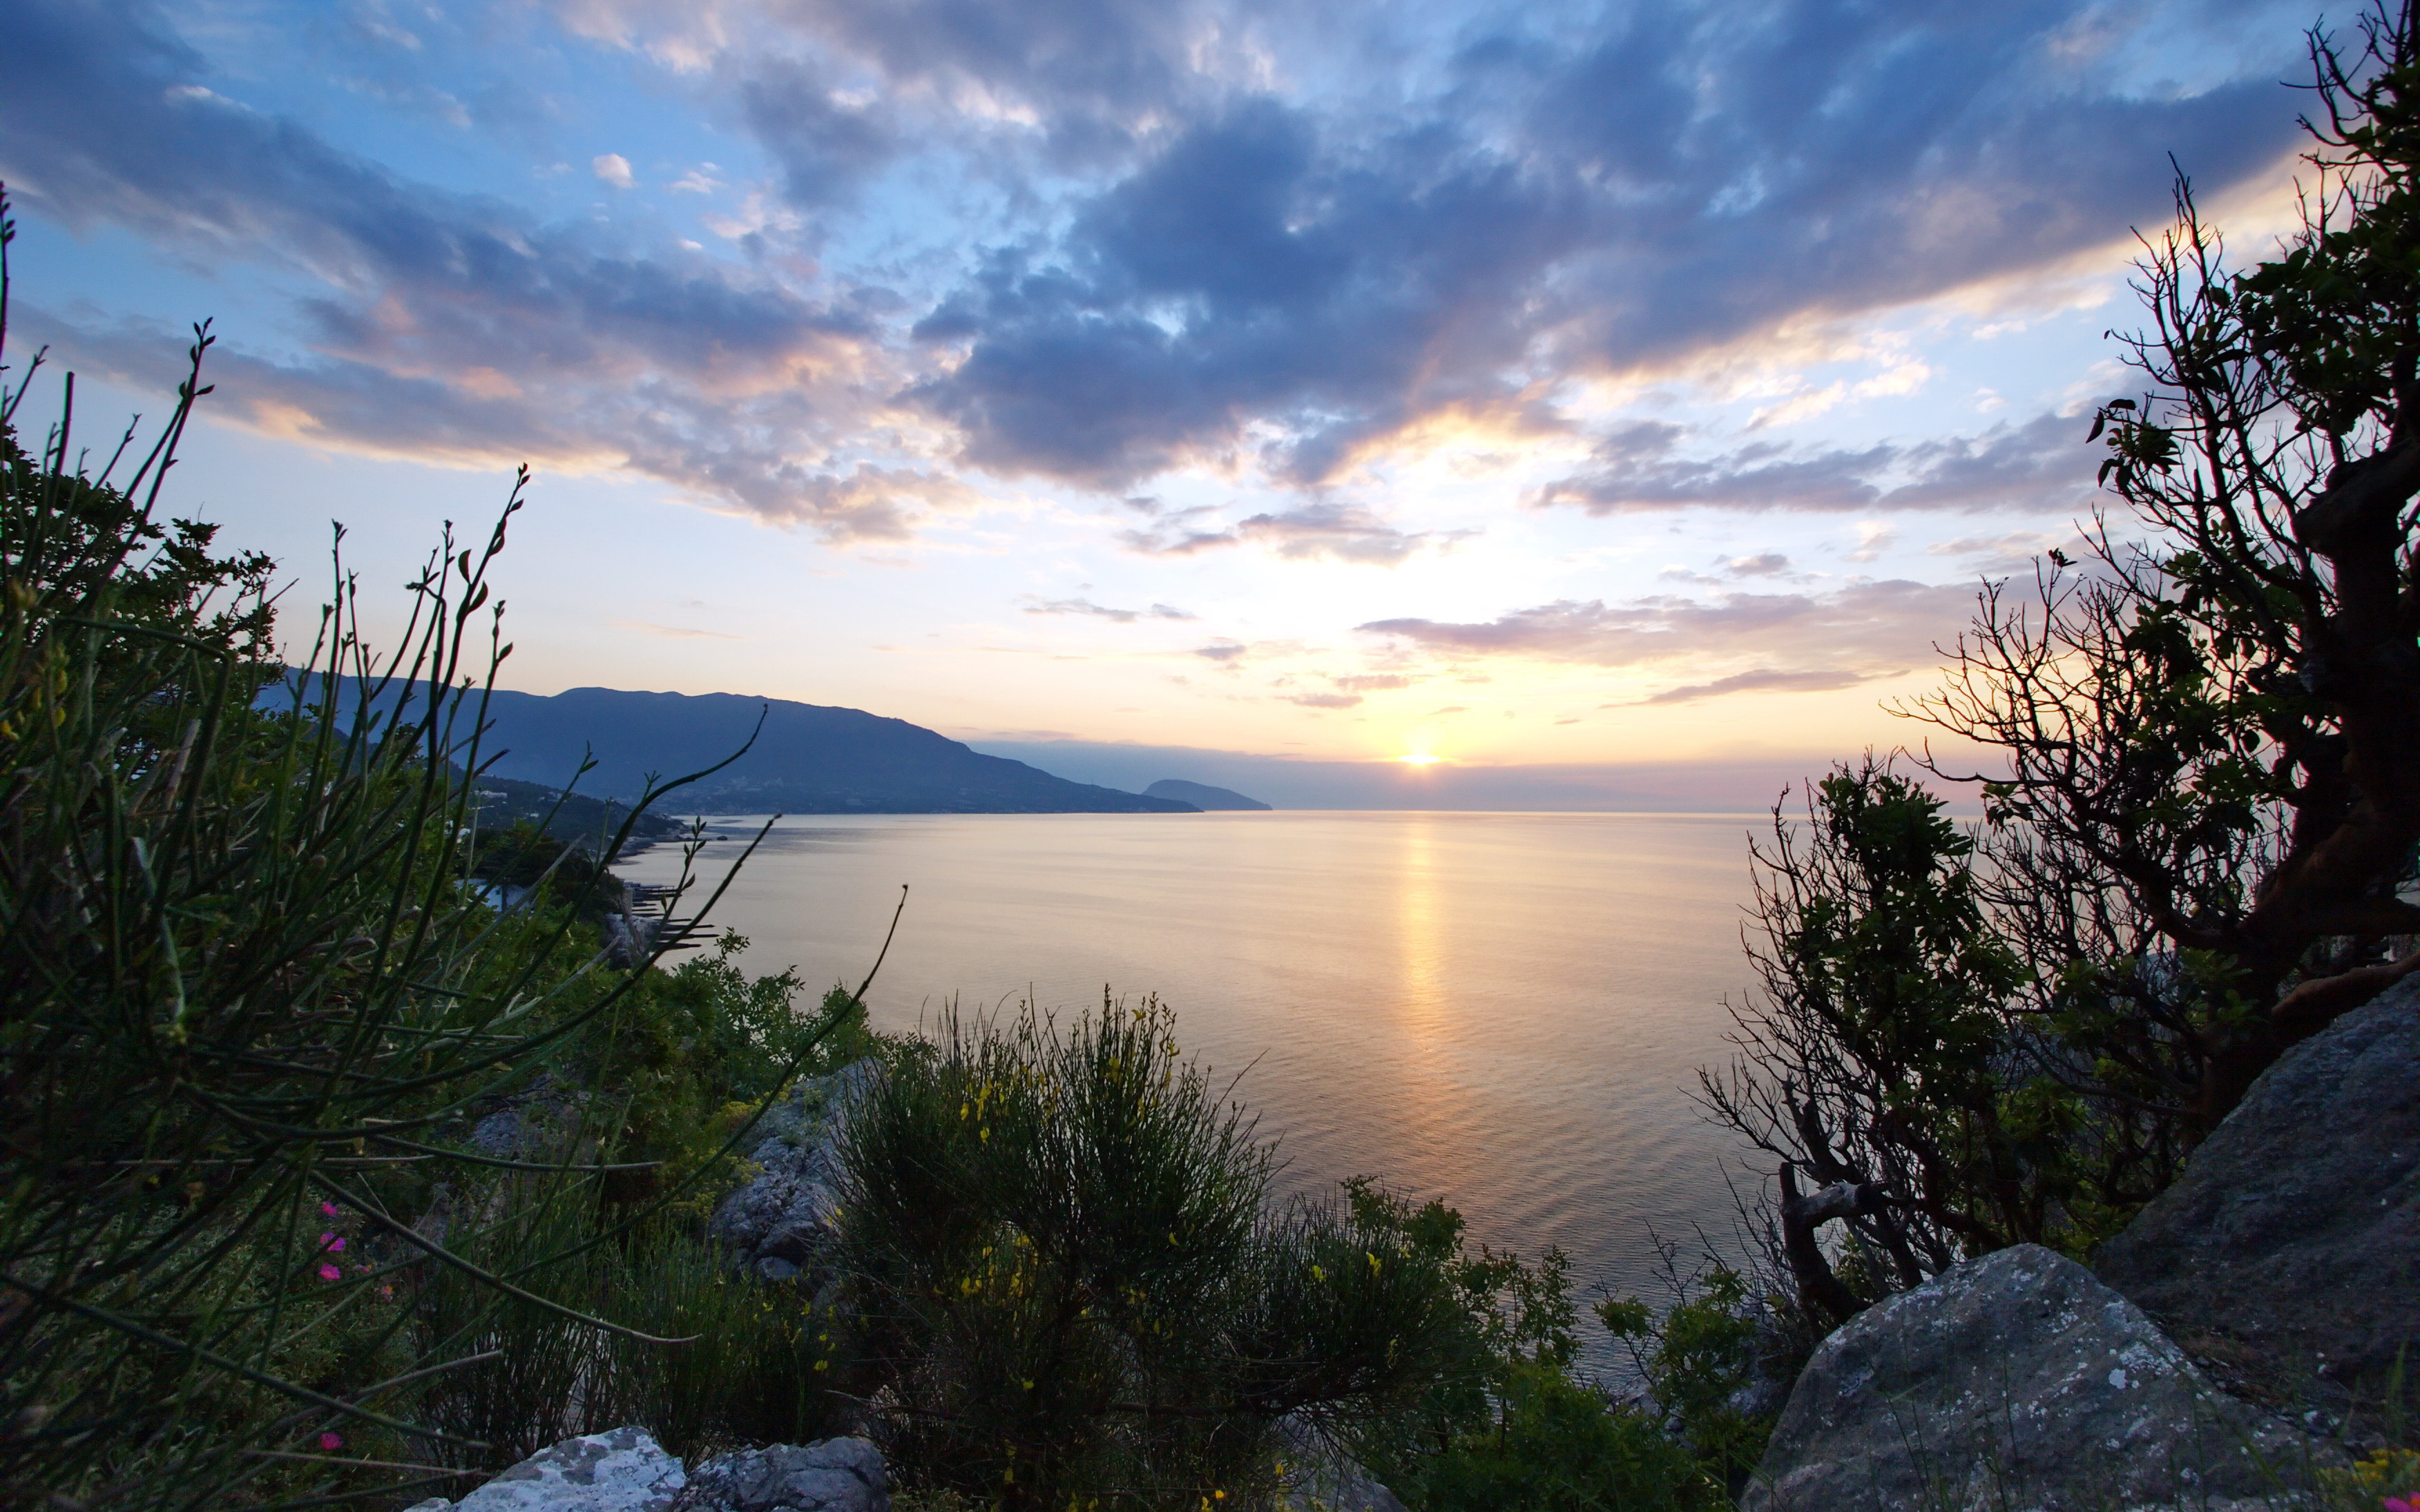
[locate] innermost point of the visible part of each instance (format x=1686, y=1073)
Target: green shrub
x=250, y=1003
x=1073, y=1286
x=1561, y=1447
x=716, y=1358
x=1705, y=1364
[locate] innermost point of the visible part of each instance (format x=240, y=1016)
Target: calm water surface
x=1506, y=1010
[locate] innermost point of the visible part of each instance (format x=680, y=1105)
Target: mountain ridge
x=807, y=758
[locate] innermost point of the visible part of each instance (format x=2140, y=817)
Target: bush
x=250, y=1003
x=1561, y=1448
x=1715, y=1365
x=1073, y=1284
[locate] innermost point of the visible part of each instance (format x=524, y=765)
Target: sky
x=1600, y=399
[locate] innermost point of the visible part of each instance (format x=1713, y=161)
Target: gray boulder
x=2289, y=1253
x=624, y=1471
x=778, y=1223
x=832, y=1475
x=2016, y=1382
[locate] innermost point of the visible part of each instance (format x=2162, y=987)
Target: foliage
x=2203, y=801
x=2212, y=735
x=250, y=1005
x=1074, y=1285
x=1511, y=1320
x=1559, y=1448
x=1878, y=1059
x=754, y=1367
x=1711, y=1365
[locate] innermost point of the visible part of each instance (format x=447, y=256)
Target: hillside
x=1201, y=794
x=808, y=758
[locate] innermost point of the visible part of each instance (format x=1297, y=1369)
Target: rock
x=779, y=1221
x=535, y=1124
x=832, y=1475
x=2016, y=1382
x=2290, y=1250
x=624, y=1471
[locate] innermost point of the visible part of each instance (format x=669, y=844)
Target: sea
x=1505, y=1011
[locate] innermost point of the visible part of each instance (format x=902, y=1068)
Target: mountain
x=808, y=758
x=1200, y=794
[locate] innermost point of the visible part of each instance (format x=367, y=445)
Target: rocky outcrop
x=779, y=1224
x=627, y=1470
x=2289, y=1253
x=835, y=1475
x=624, y=1471
x=2009, y=1384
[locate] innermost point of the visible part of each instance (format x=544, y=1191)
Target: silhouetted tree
x=2206, y=799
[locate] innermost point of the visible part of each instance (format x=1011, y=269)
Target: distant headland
x=1201, y=794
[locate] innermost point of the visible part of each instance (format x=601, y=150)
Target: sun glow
x=1420, y=759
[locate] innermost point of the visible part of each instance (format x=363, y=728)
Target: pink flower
x=332, y=1441
x=329, y=1208
x=329, y=1272
x=2403, y=1503
x=330, y=1241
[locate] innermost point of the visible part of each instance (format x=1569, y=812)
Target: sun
x=1420, y=761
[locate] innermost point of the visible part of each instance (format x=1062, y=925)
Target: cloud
x=1324, y=700
x=676, y=632
x=443, y=326
x=1242, y=275
x=1289, y=279
x=1119, y=616
x=828, y=144
x=1765, y=681
x=1344, y=533
x=1225, y=652
x=2041, y=465
x=1855, y=632
x=1095, y=240
x=1373, y=682
x=1762, y=565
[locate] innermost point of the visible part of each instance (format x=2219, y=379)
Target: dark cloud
x=449, y=326
x=1090, y=70
x=1183, y=244
x=1827, y=158
x=1765, y=681
x=827, y=145
x=1249, y=274
x=2043, y=464
x=1119, y=616
x=1680, y=180
x=1853, y=631
x=1762, y=565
